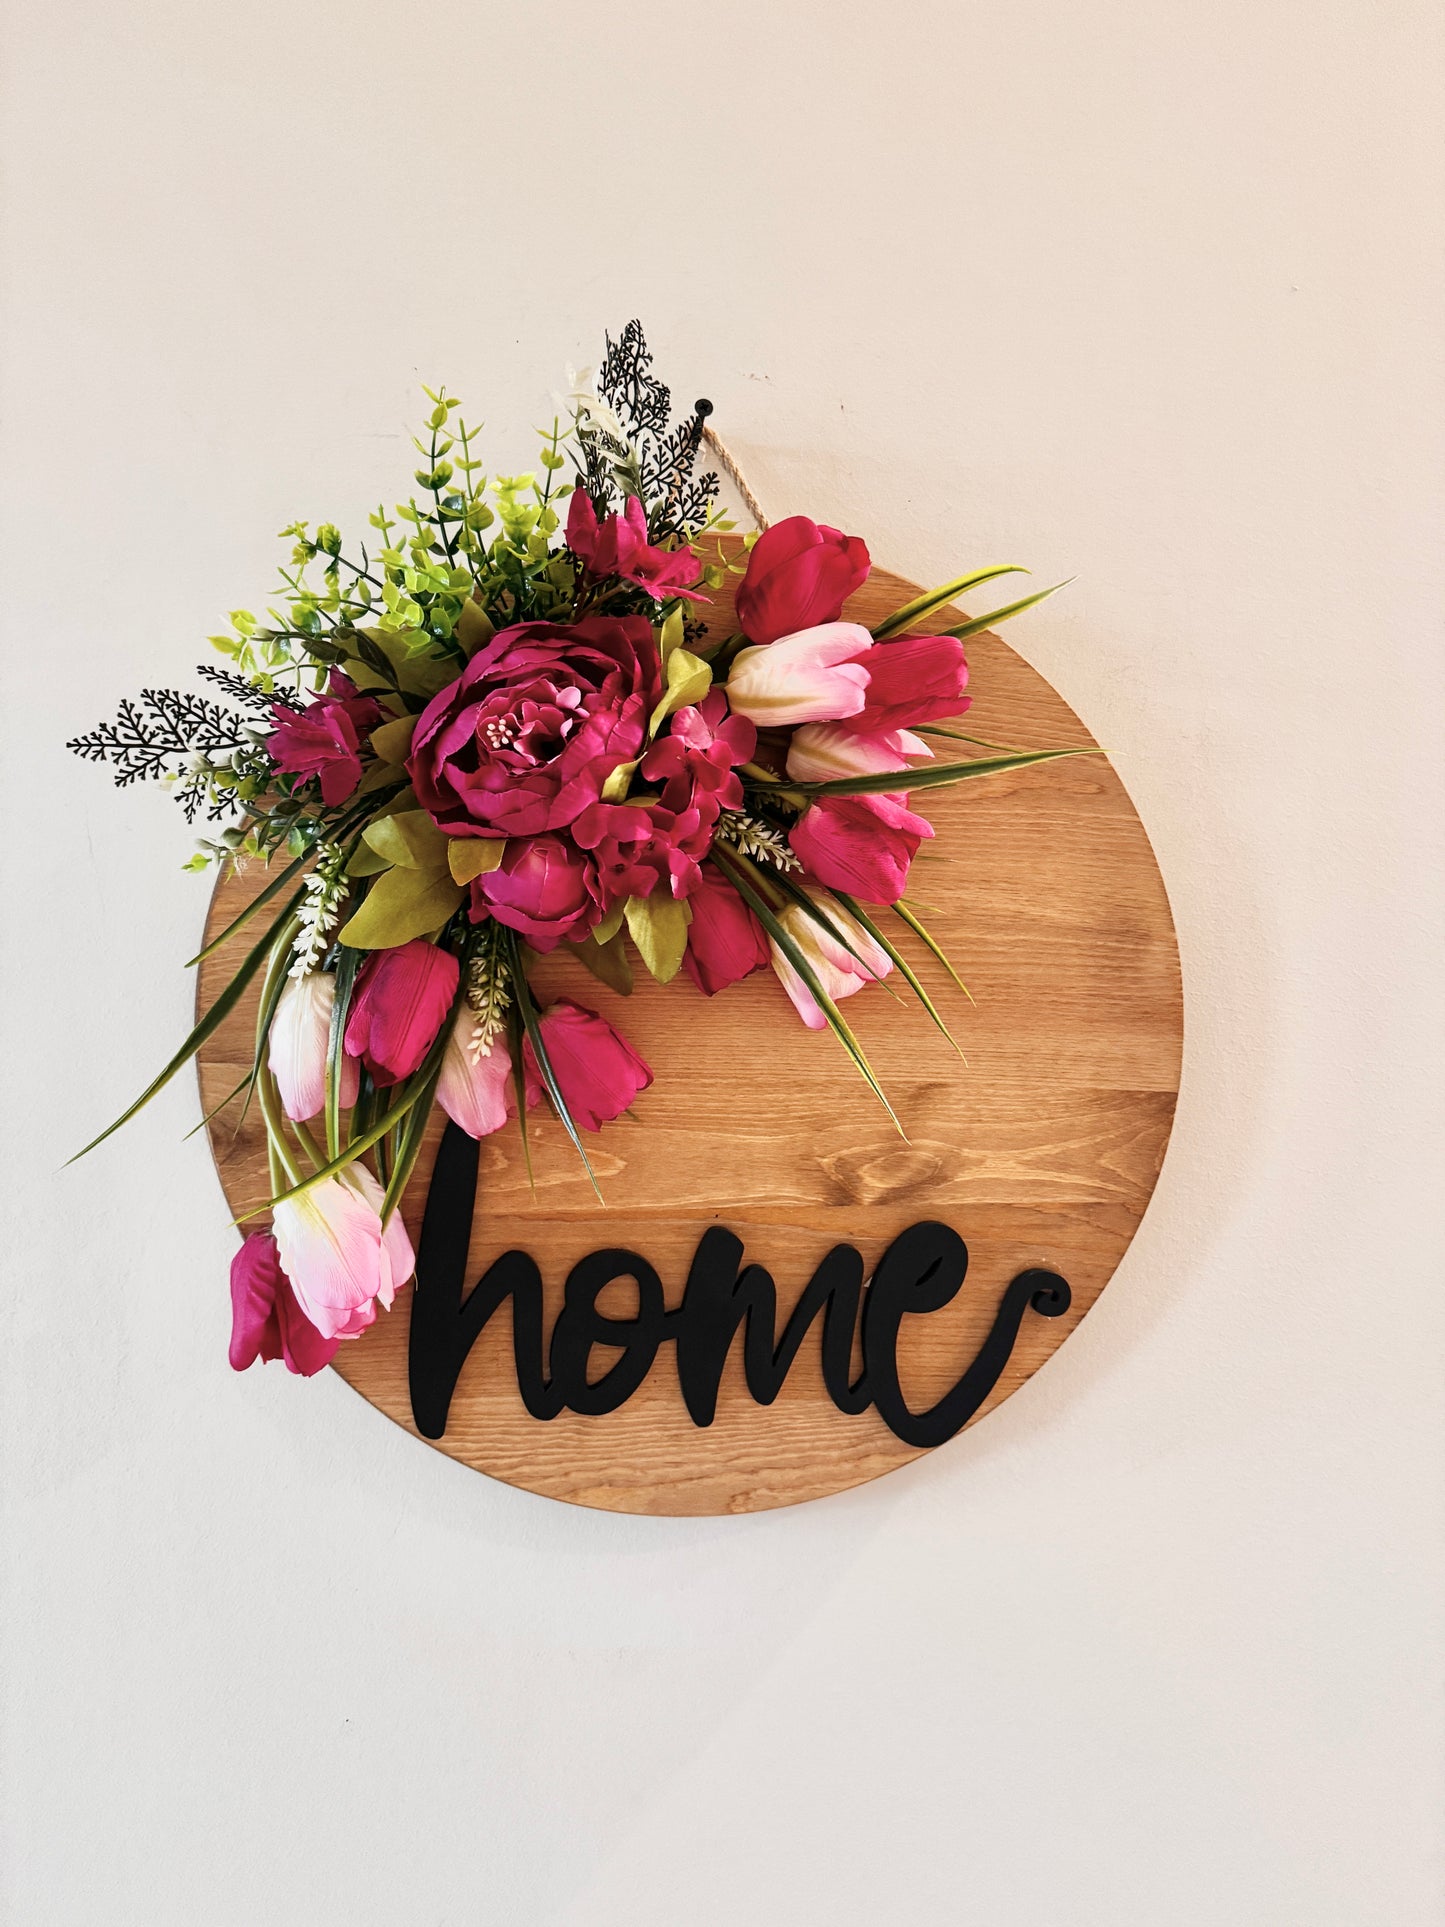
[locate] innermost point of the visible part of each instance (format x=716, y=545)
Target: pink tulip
x=799, y=573
x=839, y=970
x=266, y=1320
x=913, y=680
x=725, y=941
x=811, y=677
x=340, y=1261
x=597, y=1072
x=860, y=844
x=299, y=1042
x=401, y=1001
x=824, y=752
x=476, y=1091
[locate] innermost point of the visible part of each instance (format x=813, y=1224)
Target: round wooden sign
x=1040, y=1148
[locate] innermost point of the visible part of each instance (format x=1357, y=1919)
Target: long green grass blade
x=805, y=970
x=348, y=962
x=957, y=736
x=900, y=962
x=210, y=1023
x=932, y=599
x=902, y=910
x=932, y=776
x=980, y=623
x=813, y=910
x=410, y=1091
x=263, y=897
x=531, y=1023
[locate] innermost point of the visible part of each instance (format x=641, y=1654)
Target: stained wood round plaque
x=1040, y=1150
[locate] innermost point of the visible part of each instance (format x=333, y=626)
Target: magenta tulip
x=725, y=941
x=799, y=574
x=917, y=679
x=401, y=1001
x=860, y=844
x=266, y=1320
x=597, y=1072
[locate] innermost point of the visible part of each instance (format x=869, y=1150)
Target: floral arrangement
x=493, y=732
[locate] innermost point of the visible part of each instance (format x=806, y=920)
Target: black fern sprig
x=243, y=690
x=148, y=735
x=657, y=460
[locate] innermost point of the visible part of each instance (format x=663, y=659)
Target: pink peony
x=620, y=547
x=266, y=1320
x=725, y=941
x=637, y=846
x=860, y=844
x=324, y=739
x=545, y=887
x=799, y=575
x=401, y=1001
x=597, y=1072
x=529, y=732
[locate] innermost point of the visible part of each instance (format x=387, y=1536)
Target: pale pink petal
x=329, y=1239
x=474, y=1092
x=809, y=677
x=822, y=752
x=397, y=1260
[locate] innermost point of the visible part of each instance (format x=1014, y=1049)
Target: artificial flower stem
x=736, y=872
x=900, y=962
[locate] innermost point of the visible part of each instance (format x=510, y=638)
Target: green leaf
x=401, y=905
x=980, y=623
x=669, y=636
x=924, y=605
x=211, y=1022
x=474, y=856
x=411, y=839
x=688, y=681
x=658, y=926
x=607, y=962
x=605, y=931
x=735, y=871
x=935, y=775
x=273, y=888
x=392, y=741
x=614, y=790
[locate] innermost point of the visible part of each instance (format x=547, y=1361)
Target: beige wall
x=1148, y=293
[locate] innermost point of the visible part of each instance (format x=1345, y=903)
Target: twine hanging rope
x=734, y=474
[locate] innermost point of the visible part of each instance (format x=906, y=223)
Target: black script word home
x=921, y=1271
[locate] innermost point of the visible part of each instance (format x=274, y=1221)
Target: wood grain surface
x=1042, y=1149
